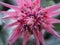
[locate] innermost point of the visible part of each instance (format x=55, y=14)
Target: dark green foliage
x=57, y=1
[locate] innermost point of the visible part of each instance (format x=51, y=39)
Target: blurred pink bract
x=31, y=19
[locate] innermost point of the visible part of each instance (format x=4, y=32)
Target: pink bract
x=31, y=19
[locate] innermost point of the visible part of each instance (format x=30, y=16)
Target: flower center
x=32, y=20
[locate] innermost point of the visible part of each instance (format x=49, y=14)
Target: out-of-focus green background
x=49, y=39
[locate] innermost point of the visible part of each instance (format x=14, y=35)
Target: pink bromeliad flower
x=31, y=19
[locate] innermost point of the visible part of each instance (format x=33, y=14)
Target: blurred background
x=49, y=39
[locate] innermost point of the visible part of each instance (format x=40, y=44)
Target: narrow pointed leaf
x=41, y=37
x=51, y=31
x=36, y=38
x=11, y=24
x=52, y=8
x=15, y=35
x=26, y=37
x=54, y=13
x=52, y=20
x=8, y=5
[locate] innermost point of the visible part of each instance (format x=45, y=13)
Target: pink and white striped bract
x=31, y=19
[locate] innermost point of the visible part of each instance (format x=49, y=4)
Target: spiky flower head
x=31, y=19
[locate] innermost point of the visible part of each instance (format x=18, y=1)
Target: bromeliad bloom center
x=31, y=19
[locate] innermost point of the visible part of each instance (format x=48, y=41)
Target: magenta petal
x=36, y=38
x=19, y=2
x=7, y=17
x=29, y=2
x=36, y=8
x=9, y=6
x=11, y=24
x=41, y=38
x=26, y=37
x=8, y=13
x=37, y=2
x=52, y=20
x=52, y=8
x=50, y=30
x=54, y=13
x=15, y=35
